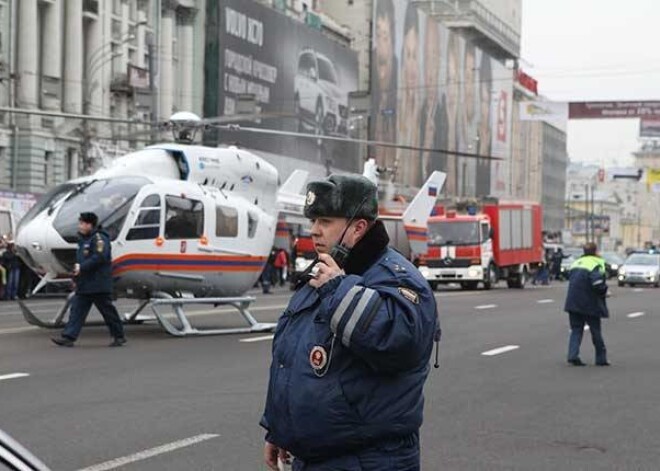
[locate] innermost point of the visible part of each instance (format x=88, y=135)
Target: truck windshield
x=454, y=233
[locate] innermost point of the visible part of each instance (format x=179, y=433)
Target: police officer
x=93, y=278
x=585, y=304
x=351, y=351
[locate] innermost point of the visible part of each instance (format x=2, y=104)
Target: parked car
x=640, y=268
x=613, y=261
x=319, y=99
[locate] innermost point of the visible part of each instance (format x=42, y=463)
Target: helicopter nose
x=42, y=248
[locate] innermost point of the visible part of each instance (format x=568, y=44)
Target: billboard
x=613, y=109
x=296, y=73
x=543, y=111
x=649, y=127
x=431, y=88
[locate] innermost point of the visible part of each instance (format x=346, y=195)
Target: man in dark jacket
x=93, y=278
x=585, y=304
x=351, y=351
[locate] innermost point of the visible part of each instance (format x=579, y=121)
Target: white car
x=640, y=268
x=319, y=99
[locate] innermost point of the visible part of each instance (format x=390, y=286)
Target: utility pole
x=586, y=213
x=151, y=48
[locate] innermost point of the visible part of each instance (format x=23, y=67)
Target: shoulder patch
x=100, y=245
x=410, y=295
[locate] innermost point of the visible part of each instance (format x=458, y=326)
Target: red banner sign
x=528, y=82
x=613, y=109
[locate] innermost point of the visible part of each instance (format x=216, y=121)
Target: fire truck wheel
x=491, y=277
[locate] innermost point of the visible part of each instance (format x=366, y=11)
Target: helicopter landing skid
x=186, y=329
x=58, y=321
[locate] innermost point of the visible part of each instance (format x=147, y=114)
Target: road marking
x=545, y=301
x=257, y=339
x=150, y=453
x=17, y=330
x=632, y=315
x=638, y=290
x=500, y=350
x=486, y=306
x=14, y=376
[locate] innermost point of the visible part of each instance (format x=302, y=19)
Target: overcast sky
x=582, y=50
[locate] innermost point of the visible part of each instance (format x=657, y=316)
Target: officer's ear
x=360, y=227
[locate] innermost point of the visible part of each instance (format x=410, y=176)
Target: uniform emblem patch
x=311, y=197
x=410, y=295
x=318, y=358
x=100, y=245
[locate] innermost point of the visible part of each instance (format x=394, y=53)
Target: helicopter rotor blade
x=275, y=132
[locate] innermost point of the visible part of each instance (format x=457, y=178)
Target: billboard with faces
x=431, y=88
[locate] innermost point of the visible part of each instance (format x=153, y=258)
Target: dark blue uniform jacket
x=377, y=324
x=587, y=287
x=95, y=258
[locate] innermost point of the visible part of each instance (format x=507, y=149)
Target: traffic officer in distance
x=351, y=351
x=93, y=278
x=585, y=304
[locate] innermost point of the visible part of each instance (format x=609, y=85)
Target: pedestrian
x=12, y=265
x=351, y=351
x=267, y=275
x=93, y=284
x=280, y=266
x=555, y=263
x=586, y=304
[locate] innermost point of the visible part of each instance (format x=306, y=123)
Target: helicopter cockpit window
x=226, y=221
x=253, y=220
x=110, y=199
x=184, y=218
x=147, y=223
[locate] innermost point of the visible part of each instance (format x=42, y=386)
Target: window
x=48, y=164
x=147, y=223
x=5, y=223
x=253, y=220
x=71, y=164
x=485, y=232
x=226, y=221
x=184, y=218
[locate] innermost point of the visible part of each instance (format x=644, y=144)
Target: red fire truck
x=483, y=242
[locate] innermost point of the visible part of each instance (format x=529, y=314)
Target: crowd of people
x=16, y=279
x=276, y=270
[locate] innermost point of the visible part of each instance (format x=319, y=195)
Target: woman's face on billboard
x=411, y=60
x=384, y=50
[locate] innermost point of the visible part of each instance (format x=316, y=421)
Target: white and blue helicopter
x=189, y=224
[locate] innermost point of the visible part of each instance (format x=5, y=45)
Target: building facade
x=90, y=57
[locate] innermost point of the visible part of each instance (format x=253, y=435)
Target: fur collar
x=368, y=249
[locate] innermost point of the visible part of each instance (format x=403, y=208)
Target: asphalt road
x=163, y=403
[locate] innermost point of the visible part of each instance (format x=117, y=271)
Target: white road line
x=632, y=315
x=638, y=290
x=150, y=453
x=257, y=339
x=486, y=306
x=498, y=351
x=14, y=376
x=17, y=330
x=545, y=301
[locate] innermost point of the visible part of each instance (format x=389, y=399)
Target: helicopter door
x=148, y=220
x=184, y=220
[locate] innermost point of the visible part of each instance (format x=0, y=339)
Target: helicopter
x=189, y=224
